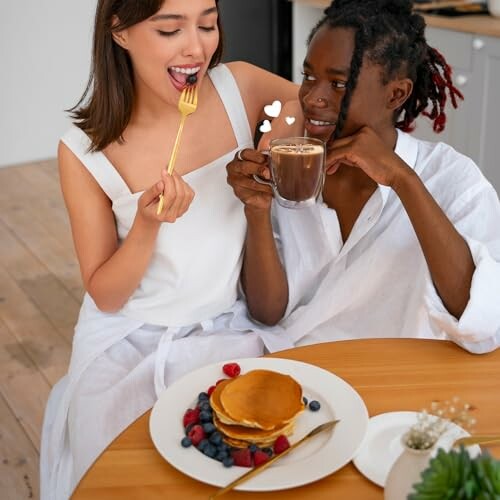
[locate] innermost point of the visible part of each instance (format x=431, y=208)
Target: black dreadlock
x=393, y=36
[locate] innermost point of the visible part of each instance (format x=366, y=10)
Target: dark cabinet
x=259, y=32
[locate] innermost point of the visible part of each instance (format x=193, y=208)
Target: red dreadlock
x=438, y=99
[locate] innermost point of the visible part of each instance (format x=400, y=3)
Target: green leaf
x=453, y=475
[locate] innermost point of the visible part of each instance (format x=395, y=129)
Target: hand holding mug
x=241, y=170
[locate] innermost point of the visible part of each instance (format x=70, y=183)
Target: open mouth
x=183, y=75
x=319, y=123
x=319, y=128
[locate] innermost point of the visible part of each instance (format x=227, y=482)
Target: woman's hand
x=255, y=196
x=365, y=150
x=177, y=197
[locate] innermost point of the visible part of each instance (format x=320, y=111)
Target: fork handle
x=466, y=441
x=173, y=156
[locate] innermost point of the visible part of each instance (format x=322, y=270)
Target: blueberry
x=186, y=442
x=305, y=400
x=205, y=417
x=269, y=451
x=191, y=79
x=205, y=406
x=221, y=455
x=208, y=428
x=210, y=450
x=314, y=405
x=202, y=396
x=203, y=444
x=253, y=448
x=215, y=438
x=228, y=462
x=224, y=447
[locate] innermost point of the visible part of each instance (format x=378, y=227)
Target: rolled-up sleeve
x=477, y=218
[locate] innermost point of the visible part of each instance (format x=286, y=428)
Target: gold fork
x=188, y=102
x=484, y=440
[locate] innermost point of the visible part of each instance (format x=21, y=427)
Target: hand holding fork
x=188, y=102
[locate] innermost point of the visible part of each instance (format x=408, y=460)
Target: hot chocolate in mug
x=297, y=166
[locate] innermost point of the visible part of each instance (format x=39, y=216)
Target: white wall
x=303, y=20
x=45, y=49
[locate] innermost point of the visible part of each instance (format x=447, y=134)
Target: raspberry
x=231, y=369
x=191, y=417
x=242, y=457
x=210, y=390
x=259, y=457
x=196, y=434
x=281, y=444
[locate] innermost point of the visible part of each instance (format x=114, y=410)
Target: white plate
x=382, y=443
x=311, y=461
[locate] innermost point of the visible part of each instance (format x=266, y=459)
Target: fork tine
x=191, y=94
x=195, y=95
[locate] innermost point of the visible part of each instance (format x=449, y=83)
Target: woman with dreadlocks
x=405, y=240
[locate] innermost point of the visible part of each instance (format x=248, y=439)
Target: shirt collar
x=406, y=149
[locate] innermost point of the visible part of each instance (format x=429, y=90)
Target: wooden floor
x=40, y=294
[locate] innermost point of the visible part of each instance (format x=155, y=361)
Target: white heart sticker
x=265, y=127
x=290, y=120
x=273, y=109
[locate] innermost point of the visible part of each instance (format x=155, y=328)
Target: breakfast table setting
x=376, y=395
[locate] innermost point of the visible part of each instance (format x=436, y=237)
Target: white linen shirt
x=377, y=283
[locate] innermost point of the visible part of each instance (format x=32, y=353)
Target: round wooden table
x=389, y=374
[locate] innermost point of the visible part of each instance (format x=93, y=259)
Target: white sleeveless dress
x=184, y=314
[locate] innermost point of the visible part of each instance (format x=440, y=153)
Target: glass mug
x=297, y=166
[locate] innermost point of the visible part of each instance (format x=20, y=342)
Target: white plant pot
x=494, y=7
x=406, y=472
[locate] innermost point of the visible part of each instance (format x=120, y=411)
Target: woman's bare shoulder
x=250, y=75
x=75, y=179
x=259, y=87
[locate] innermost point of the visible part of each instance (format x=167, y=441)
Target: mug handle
x=260, y=180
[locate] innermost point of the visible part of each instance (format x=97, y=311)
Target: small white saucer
x=381, y=445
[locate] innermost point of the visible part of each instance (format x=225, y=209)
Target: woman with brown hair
x=161, y=284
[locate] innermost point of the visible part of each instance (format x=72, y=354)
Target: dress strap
x=228, y=91
x=96, y=163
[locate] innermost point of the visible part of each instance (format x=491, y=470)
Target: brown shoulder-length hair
x=104, y=110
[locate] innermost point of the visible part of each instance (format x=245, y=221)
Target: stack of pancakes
x=256, y=408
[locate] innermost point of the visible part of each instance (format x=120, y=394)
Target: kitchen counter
x=478, y=24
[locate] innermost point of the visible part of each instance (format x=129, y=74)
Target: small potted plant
x=453, y=475
x=449, y=475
